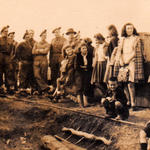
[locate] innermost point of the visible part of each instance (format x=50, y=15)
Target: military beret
x=43, y=32
x=30, y=30
x=26, y=33
x=99, y=36
x=6, y=27
x=56, y=29
x=70, y=30
x=11, y=33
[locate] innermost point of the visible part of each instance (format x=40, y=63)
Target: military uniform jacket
x=56, y=49
x=24, y=51
x=5, y=47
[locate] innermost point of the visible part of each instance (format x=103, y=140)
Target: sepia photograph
x=74, y=75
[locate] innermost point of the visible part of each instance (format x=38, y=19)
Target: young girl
x=84, y=68
x=131, y=57
x=100, y=60
x=112, y=44
x=66, y=70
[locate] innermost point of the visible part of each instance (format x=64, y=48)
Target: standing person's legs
x=1, y=69
x=54, y=73
x=131, y=87
x=44, y=68
x=9, y=76
x=24, y=81
x=1, y=72
x=126, y=91
x=32, y=80
x=40, y=73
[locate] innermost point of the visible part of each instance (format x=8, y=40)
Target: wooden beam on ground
x=52, y=143
x=68, y=144
x=87, y=135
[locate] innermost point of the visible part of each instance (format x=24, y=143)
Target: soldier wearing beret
x=56, y=54
x=15, y=64
x=24, y=55
x=31, y=34
x=5, y=60
x=40, y=51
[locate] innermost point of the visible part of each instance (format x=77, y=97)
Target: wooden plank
x=52, y=143
x=68, y=144
x=87, y=135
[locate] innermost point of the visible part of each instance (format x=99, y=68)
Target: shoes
x=118, y=117
x=87, y=105
x=110, y=116
x=23, y=92
x=134, y=108
x=11, y=92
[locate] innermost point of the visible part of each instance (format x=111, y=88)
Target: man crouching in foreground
x=145, y=137
x=115, y=101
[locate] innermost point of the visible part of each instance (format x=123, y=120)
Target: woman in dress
x=131, y=56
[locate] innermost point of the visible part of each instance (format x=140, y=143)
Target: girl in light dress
x=99, y=62
x=131, y=57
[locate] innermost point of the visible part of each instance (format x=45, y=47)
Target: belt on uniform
x=40, y=55
x=57, y=53
x=26, y=61
x=5, y=53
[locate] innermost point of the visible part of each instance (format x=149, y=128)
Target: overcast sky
x=88, y=16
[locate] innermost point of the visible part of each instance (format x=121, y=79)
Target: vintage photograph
x=74, y=75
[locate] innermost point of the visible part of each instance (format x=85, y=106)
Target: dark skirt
x=98, y=72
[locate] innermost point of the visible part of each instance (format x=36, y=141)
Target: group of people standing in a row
x=75, y=64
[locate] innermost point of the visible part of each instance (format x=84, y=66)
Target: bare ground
x=23, y=124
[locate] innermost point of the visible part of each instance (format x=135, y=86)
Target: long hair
x=124, y=33
x=113, y=30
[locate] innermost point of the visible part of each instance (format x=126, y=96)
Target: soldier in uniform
x=56, y=54
x=24, y=55
x=5, y=61
x=31, y=34
x=40, y=51
x=74, y=40
x=32, y=42
x=11, y=40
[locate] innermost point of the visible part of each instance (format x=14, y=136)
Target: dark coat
x=113, y=43
x=5, y=47
x=84, y=74
x=119, y=95
x=24, y=51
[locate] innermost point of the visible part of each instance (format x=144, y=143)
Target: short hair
x=124, y=33
x=113, y=79
x=113, y=30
